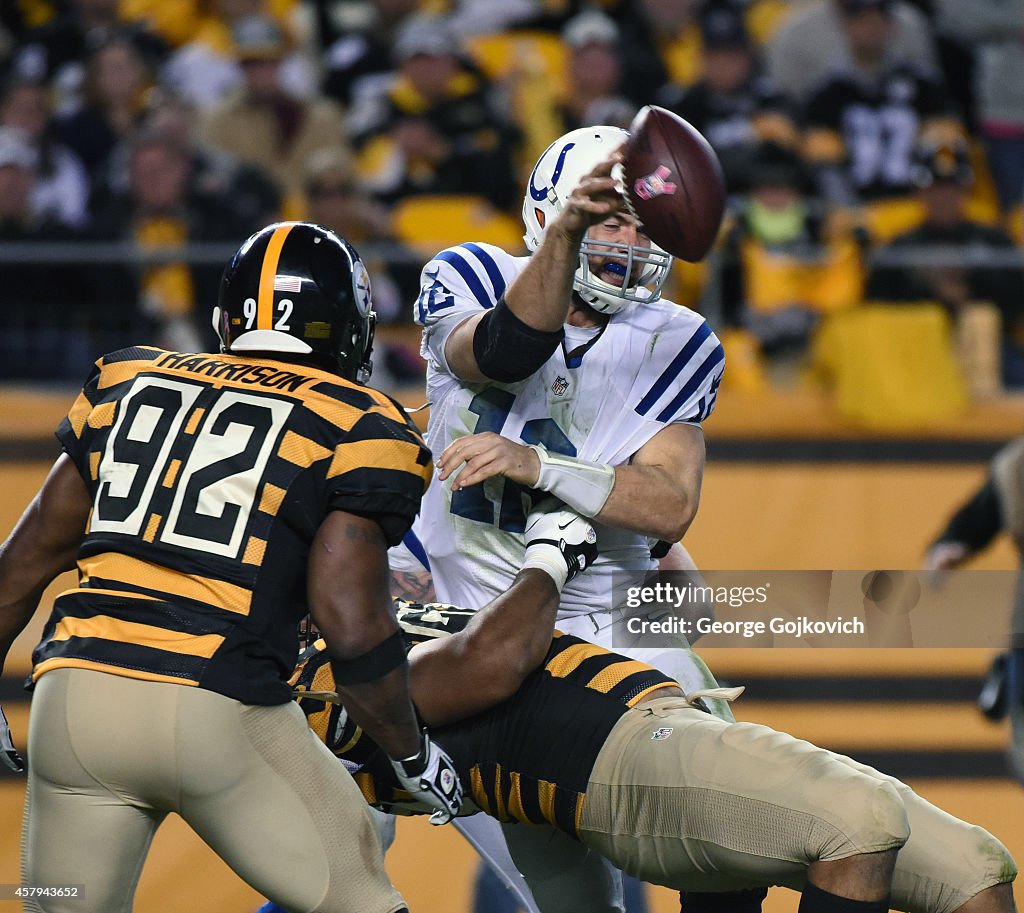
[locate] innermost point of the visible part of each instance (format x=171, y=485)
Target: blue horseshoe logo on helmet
x=541, y=195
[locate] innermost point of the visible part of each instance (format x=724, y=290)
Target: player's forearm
x=541, y=293
x=29, y=560
x=649, y=500
x=13, y=618
x=347, y=584
x=383, y=710
x=21, y=585
x=455, y=677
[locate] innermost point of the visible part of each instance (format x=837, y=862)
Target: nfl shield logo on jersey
x=560, y=385
x=659, y=735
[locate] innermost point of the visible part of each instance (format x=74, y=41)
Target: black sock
x=815, y=900
x=745, y=901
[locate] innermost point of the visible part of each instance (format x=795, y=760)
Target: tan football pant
x=110, y=757
x=683, y=799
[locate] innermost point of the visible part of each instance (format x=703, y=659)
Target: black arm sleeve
x=978, y=522
x=508, y=350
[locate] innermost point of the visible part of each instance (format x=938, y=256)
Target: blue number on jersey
x=435, y=297
x=493, y=407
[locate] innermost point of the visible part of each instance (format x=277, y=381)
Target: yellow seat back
x=891, y=366
x=1014, y=224
x=775, y=281
x=507, y=54
x=430, y=222
x=887, y=219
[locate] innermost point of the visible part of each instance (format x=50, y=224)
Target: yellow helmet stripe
x=265, y=302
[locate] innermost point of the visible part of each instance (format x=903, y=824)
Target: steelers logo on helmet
x=610, y=275
x=298, y=289
x=361, y=288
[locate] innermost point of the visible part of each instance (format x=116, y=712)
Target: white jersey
x=601, y=396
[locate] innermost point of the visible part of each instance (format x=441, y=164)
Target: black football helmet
x=299, y=289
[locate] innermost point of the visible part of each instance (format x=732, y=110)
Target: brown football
x=673, y=182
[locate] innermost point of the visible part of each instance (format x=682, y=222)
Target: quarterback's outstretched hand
x=8, y=753
x=430, y=777
x=559, y=541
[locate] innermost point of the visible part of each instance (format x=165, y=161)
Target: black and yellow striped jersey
x=527, y=759
x=210, y=475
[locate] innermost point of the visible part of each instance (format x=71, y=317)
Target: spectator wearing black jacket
x=56, y=51
x=975, y=263
x=163, y=208
x=438, y=129
x=356, y=40
x=114, y=88
x=733, y=104
x=62, y=184
x=864, y=118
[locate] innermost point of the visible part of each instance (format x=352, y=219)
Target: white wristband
x=582, y=485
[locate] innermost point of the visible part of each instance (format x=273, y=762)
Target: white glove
x=8, y=753
x=559, y=541
x=430, y=777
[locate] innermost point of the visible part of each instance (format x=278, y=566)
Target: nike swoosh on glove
x=430, y=777
x=8, y=753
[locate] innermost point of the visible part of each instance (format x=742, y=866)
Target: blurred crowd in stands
x=873, y=150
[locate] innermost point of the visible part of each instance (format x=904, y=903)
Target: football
x=673, y=183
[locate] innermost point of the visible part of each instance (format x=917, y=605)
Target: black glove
x=429, y=776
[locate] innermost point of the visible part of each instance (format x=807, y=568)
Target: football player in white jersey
x=566, y=372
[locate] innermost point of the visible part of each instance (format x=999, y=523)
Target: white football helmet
x=554, y=177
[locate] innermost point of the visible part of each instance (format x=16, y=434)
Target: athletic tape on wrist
x=546, y=556
x=582, y=485
x=375, y=663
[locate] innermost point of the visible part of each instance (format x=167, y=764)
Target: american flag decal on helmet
x=287, y=284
